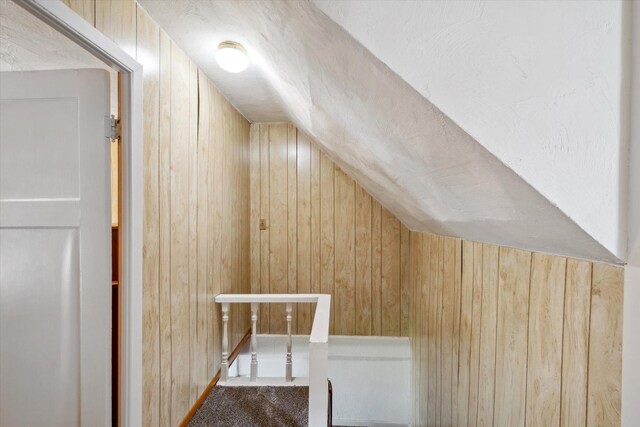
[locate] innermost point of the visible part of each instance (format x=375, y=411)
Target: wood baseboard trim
x=214, y=381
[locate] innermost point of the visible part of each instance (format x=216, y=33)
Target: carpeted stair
x=262, y=406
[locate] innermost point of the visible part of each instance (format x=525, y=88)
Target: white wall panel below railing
x=370, y=375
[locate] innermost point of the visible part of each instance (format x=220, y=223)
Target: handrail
x=320, y=327
x=268, y=298
x=318, y=343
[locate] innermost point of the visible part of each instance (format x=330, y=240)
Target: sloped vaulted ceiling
x=379, y=122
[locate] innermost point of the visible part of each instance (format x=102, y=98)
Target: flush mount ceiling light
x=232, y=57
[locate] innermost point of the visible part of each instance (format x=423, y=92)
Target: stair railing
x=318, y=344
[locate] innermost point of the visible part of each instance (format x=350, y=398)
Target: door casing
x=61, y=17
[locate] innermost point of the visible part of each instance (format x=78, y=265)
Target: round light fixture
x=232, y=57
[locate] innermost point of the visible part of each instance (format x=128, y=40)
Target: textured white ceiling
x=537, y=83
x=385, y=133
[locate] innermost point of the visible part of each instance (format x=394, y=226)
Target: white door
x=55, y=257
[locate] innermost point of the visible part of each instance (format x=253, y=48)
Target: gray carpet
x=254, y=406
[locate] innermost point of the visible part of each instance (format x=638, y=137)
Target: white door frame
x=61, y=17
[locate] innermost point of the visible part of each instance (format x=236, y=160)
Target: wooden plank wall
x=196, y=212
x=505, y=337
x=325, y=234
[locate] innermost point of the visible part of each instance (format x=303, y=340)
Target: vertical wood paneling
x=424, y=294
x=448, y=308
x=466, y=307
x=179, y=208
x=415, y=240
x=292, y=218
x=303, y=221
x=521, y=322
x=265, y=280
x=457, y=298
x=148, y=53
x=575, y=346
x=390, y=283
x=544, y=365
x=376, y=268
x=193, y=230
x=227, y=240
x=254, y=223
x=417, y=316
x=203, y=296
x=432, y=331
x=489, y=312
x=363, y=262
x=242, y=164
x=216, y=225
x=405, y=287
x=116, y=19
x=511, y=347
x=278, y=242
x=330, y=236
x=605, y=346
x=476, y=323
x=231, y=231
x=345, y=256
x=438, y=326
x=165, y=228
x=84, y=8
x=227, y=243
x=327, y=265
x=315, y=219
x=416, y=322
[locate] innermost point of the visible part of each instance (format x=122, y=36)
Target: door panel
x=55, y=257
x=35, y=344
x=30, y=152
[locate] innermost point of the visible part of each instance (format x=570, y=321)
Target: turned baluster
x=224, y=366
x=254, y=342
x=289, y=375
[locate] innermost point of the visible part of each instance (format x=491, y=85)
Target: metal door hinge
x=112, y=128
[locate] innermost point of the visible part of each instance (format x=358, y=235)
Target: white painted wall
x=631, y=329
x=537, y=83
x=370, y=375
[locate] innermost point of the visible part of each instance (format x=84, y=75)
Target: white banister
x=224, y=366
x=288, y=365
x=319, y=363
x=267, y=298
x=318, y=344
x=254, y=342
